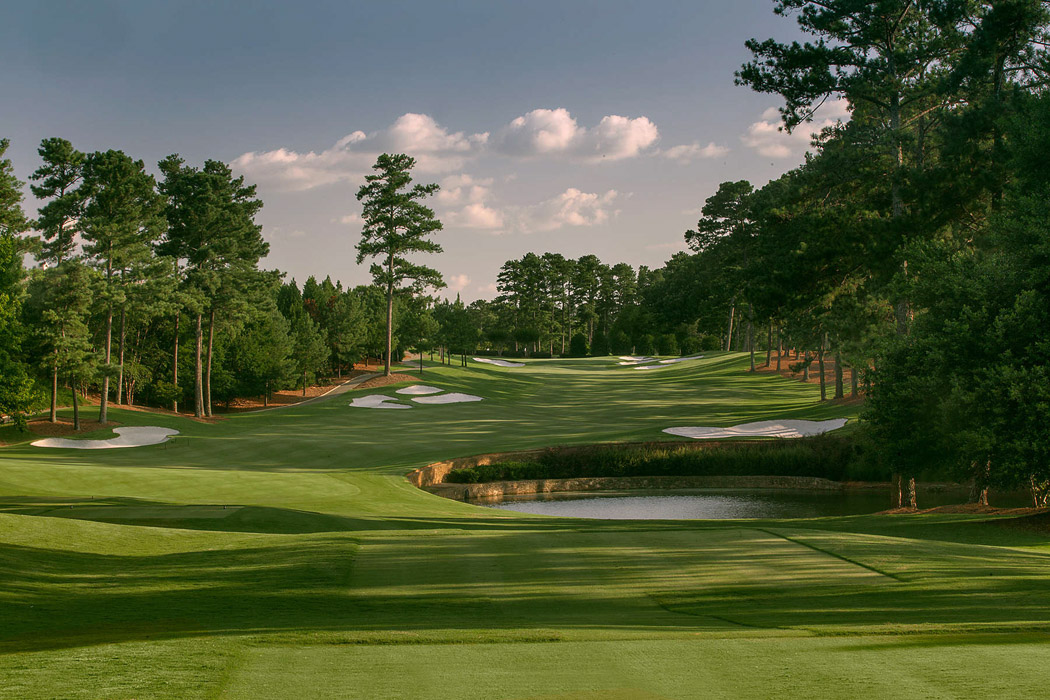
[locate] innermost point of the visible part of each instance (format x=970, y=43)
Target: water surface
x=718, y=504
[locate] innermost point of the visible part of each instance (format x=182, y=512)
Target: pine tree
x=397, y=224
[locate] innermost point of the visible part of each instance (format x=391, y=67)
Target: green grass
x=283, y=554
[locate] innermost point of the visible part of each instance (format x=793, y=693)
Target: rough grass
x=283, y=554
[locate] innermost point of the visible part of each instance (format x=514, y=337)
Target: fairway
x=282, y=553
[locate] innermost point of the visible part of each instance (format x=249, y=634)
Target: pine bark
x=389, y=313
x=76, y=403
x=840, y=390
x=729, y=325
x=198, y=393
x=175, y=365
x=120, y=375
x=207, y=372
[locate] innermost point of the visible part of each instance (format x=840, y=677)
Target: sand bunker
x=680, y=359
x=419, y=390
x=631, y=360
x=448, y=398
x=498, y=363
x=765, y=428
x=652, y=367
x=127, y=437
x=376, y=401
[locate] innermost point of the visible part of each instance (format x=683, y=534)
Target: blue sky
x=576, y=127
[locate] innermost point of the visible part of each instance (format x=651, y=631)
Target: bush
x=710, y=342
x=646, y=345
x=600, y=346
x=620, y=343
x=578, y=345
x=667, y=344
x=835, y=458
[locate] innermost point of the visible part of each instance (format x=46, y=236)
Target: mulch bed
x=376, y=382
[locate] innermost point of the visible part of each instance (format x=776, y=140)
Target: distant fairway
x=282, y=554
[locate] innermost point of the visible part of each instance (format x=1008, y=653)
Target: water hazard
x=718, y=504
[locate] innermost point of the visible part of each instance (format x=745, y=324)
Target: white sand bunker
x=631, y=360
x=419, y=390
x=448, y=398
x=376, y=401
x=676, y=360
x=127, y=437
x=652, y=367
x=765, y=428
x=498, y=363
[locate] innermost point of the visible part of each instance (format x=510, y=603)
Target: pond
x=718, y=504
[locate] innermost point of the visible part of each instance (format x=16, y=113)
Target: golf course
x=283, y=553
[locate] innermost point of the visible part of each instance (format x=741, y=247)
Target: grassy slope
x=282, y=553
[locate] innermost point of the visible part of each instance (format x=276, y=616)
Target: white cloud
x=298, y=233
x=476, y=215
x=488, y=288
x=539, y=133
x=349, y=219
x=457, y=283
x=572, y=207
x=457, y=189
x=769, y=139
x=435, y=149
x=686, y=153
x=555, y=132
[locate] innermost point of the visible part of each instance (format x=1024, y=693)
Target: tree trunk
x=913, y=497
x=389, y=313
x=729, y=324
x=54, y=389
x=840, y=391
x=266, y=394
x=780, y=345
x=854, y=383
x=896, y=492
x=207, y=373
x=175, y=365
x=198, y=393
x=769, y=344
x=304, y=387
x=103, y=403
x=751, y=339
x=76, y=403
x=805, y=367
x=820, y=365
x=120, y=353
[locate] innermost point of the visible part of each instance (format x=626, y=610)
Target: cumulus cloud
x=476, y=215
x=768, y=137
x=686, y=153
x=434, y=147
x=552, y=133
x=458, y=189
x=457, y=283
x=571, y=208
x=350, y=219
x=555, y=132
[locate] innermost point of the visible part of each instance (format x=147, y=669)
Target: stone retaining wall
x=497, y=489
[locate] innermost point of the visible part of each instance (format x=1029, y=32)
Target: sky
x=576, y=127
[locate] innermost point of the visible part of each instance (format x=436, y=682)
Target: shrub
x=578, y=345
x=667, y=344
x=646, y=345
x=620, y=343
x=600, y=346
x=835, y=458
